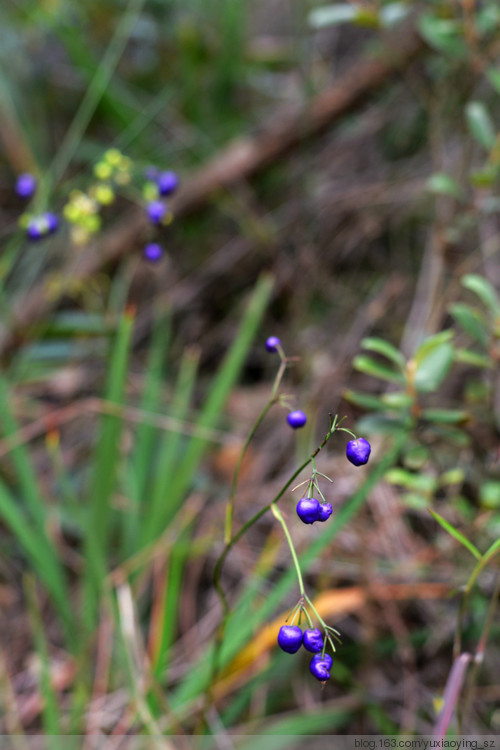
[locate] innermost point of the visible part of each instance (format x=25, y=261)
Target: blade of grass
x=168, y=622
x=21, y=459
x=158, y=511
x=105, y=468
x=146, y=434
x=456, y=534
x=42, y=556
x=219, y=391
x=50, y=710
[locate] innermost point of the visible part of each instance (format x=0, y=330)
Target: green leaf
x=383, y=424
x=484, y=290
x=471, y=321
x=331, y=15
x=480, y=125
x=494, y=78
x=431, y=343
x=489, y=495
x=433, y=359
x=453, y=476
x=387, y=350
x=446, y=416
x=416, y=457
x=415, y=501
x=456, y=534
x=442, y=184
x=366, y=400
x=442, y=34
x=398, y=400
x=467, y=357
x=410, y=480
x=370, y=367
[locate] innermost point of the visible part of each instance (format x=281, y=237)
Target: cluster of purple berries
x=41, y=226
x=291, y=638
x=161, y=185
x=310, y=510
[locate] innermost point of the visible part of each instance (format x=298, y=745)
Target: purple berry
x=34, y=230
x=272, y=343
x=325, y=511
x=308, y=509
x=51, y=221
x=296, y=419
x=358, y=451
x=320, y=667
x=152, y=252
x=25, y=185
x=290, y=638
x=167, y=182
x=156, y=211
x=313, y=640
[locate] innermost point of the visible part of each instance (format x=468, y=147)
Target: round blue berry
x=358, y=451
x=273, y=343
x=325, y=511
x=313, y=640
x=320, y=667
x=152, y=252
x=308, y=509
x=35, y=231
x=167, y=182
x=156, y=211
x=296, y=419
x=51, y=222
x=25, y=185
x=290, y=638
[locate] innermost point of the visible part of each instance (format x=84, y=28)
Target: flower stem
x=279, y=516
x=234, y=484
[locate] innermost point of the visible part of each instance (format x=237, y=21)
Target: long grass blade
x=105, y=469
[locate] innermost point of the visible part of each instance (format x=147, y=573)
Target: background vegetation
x=340, y=175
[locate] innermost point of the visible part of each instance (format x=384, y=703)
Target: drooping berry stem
x=273, y=398
x=279, y=516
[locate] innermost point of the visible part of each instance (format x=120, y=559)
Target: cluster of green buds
x=82, y=211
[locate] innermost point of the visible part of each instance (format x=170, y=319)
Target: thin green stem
x=234, y=484
x=349, y=432
x=279, y=516
x=256, y=517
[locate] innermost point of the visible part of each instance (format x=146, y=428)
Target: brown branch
x=240, y=160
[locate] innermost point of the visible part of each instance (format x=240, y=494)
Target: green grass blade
x=146, y=435
x=158, y=511
x=455, y=533
x=22, y=462
x=174, y=578
x=50, y=708
x=41, y=554
x=221, y=387
x=105, y=467
x=484, y=560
